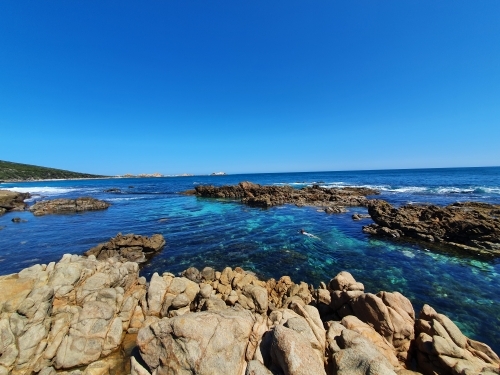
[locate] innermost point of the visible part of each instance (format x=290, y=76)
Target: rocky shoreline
x=83, y=315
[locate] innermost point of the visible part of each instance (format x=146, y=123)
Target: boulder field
x=332, y=199
x=83, y=315
x=471, y=226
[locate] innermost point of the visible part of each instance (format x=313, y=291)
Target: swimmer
x=302, y=231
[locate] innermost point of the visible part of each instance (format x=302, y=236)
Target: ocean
x=213, y=232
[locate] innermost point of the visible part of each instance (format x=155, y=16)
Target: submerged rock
x=128, y=248
x=60, y=206
x=472, y=226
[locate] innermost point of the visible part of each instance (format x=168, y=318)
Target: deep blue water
x=219, y=233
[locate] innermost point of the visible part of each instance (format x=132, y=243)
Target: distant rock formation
x=128, y=248
x=84, y=316
x=471, y=226
x=62, y=206
x=334, y=199
x=12, y=201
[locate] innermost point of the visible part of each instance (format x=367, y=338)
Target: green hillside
x=25, y=172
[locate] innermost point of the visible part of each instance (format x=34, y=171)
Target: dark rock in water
x=129, y=247
x=18, y=220
x=335, y=210
x=113, y=190
x=57, y=206
x=12, y=201
x=472, y=226
x=268, y=196
x=360, y=216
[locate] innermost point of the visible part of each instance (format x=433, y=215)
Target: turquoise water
x=221, y=233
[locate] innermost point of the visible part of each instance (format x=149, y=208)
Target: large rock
x=334, y=199
x=293, y=354
x=358, y=356
x=62, y=206
x=471, y=226
x=390, y=314
x=66, y=314
x=442, y=348
x=197, y=343
x=128, y=248
x=12, y=201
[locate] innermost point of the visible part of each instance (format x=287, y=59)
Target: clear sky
x=116, y=87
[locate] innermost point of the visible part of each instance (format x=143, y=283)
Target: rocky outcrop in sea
x=12, y=201
x=63, y=206
x=128, y=248
x=472, y=226
x=82, y=315
x=332, y=199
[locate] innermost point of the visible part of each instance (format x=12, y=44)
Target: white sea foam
x=123, y=199
x=46, y=190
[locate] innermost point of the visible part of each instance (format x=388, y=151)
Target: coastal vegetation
x=10, y=171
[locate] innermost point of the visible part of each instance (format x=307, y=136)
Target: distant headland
x=10, y=172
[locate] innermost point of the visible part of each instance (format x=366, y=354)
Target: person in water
x=302, y=231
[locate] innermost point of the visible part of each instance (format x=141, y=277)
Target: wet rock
x=335, y=210
x=471, y=226
x=266, y=196
x=129, y=247
x=63, y=206
x=357, y=217
x=112, y=190
x=12, y=201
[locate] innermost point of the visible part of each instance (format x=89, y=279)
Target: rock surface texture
x=85, y=316
x=333, y=199
x=61, y=206
x=128, y=248
x=471, y=226
x=68, y=314
x=12, y=201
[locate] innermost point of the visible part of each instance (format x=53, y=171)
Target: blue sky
x=118, y=87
